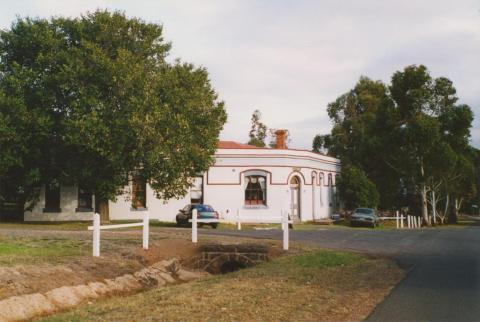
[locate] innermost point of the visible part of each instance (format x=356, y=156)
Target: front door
x=295, y=198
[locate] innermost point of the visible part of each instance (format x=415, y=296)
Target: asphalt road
x=443, y=282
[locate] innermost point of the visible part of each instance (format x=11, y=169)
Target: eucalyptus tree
x=362, y=121
x=411, y=133
x=111, y=103
x=258, y=132
x=432, y=129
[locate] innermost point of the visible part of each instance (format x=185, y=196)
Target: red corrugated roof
x=234, y=145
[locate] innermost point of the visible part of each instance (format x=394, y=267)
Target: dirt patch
x=313, y=286
x=18, y=308
x=166, y=249
x=27, y=279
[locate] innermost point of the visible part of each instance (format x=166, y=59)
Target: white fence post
x=194, y=225
x=409, y=222
x=146, y=229
x=285, y=230
x=419, y=222
x=401, y=220
x=397, y=219
x=96, y=235
x=239, y=224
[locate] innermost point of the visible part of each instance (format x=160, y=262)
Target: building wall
x=224, y=189
x=224, y=185
x=68, y=204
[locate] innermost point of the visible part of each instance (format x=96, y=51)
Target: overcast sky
x=289, y=59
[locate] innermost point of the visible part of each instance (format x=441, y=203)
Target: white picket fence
x=283, y=220
x=412, y=221
x=97, y=228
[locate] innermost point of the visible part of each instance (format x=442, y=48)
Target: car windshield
x=364, y=211
x=203, y=208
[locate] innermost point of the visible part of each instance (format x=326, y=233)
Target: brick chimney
x=281, y=139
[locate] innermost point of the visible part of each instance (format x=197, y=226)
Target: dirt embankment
x=29, y=279
x=23, y=307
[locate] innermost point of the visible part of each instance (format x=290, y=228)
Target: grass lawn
x=73, y=225
x=317, y=285
x=32, y=250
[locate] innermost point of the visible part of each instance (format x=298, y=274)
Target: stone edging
x=24, y=307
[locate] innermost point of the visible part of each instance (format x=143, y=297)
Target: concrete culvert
x=231, y=266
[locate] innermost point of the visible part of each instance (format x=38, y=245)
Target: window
x=52, y=197
x=139, y=193
x=255, y=189
x=84, y=200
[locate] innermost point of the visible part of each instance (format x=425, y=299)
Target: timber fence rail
x=399, y=219
x=411, y=221
x=284, y=220
x=97, y=227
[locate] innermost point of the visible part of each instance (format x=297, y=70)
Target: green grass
x=323, y=259
x=73, y=225
x=298, y=287
x=28, y=250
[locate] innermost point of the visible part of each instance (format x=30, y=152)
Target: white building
x=257, y=182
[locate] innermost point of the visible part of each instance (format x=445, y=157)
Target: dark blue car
x=204, y=212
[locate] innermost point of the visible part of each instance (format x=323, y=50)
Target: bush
x=356, y=189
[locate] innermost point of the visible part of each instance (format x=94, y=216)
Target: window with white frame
x=255, y=188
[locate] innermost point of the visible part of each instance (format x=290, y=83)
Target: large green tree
x=356, y=189
x=362, y=120
x=107, y=105
x=410, y=138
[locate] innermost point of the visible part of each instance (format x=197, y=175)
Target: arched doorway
x=295, y=198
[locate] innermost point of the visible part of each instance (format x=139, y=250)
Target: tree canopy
x=91, y=100
x=411, y=138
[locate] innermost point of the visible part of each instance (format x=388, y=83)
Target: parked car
x=364, y=217
x=335, y=217
x=204, y=212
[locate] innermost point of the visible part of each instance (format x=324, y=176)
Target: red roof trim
x=236, y=145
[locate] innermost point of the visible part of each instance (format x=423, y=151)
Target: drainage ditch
x=223, y=259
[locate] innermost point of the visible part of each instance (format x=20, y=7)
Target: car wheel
x=214, y=226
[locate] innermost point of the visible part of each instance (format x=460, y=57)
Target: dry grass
x=318, y=285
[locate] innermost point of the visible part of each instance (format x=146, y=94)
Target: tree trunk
x=423, y=193
x=434, y=207
x=102, y=208
x=447, y=202
x=456, y=208
x=424, y=204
